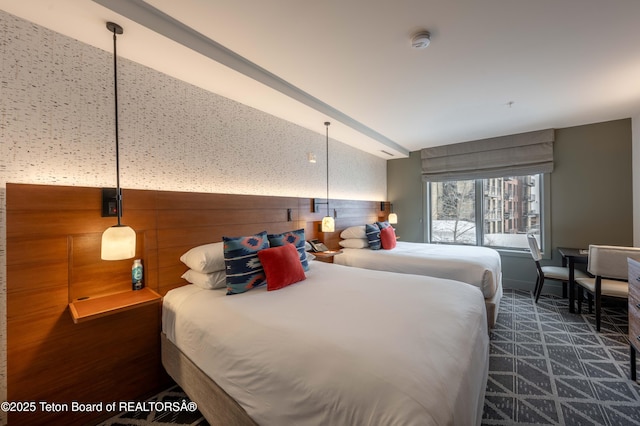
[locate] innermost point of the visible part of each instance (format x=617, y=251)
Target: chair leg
x=539, y=288
x=535, y=289
x=632, y=360
x=580, y=297
x=598, y=313
x=590, y=301
x=598, y=297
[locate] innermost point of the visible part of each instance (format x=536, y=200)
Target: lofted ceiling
x=494, y=67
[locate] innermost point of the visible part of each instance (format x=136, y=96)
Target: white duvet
x=347, y=346
x=478, y=266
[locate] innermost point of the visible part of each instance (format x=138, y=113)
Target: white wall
x=57, y=127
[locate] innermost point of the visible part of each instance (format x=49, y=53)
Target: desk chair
x=609, y=266
x=557, y=273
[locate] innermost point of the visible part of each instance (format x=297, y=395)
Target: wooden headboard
x=53, y=258
x=185, y=220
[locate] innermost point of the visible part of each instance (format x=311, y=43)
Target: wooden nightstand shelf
x=326, y=256
x=97, y=307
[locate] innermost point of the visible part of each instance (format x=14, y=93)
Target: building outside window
x=495, y=212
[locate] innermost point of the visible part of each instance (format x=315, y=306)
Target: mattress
x=344, y=346
x=478, y=266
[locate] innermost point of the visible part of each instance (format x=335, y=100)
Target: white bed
x=344, y=346
x=479, y=266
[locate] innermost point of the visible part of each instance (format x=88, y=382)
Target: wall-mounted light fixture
x=118, y=241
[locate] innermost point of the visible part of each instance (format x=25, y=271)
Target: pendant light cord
x=115, y=29
x=327, y=124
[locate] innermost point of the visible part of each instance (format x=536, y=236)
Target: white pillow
x=206, y=258
x=353, y=232
x=354, y=243
x=209, y=281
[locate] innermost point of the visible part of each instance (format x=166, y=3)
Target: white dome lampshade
x=328, y=224
x=118, y=243
x=393, y=218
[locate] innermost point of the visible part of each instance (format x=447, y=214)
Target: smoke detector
x=421, y=40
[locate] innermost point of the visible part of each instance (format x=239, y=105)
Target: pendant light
x=393, y=218
x=328, y=224
x=118, y=241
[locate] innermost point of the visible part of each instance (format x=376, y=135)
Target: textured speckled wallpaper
x=57, y=127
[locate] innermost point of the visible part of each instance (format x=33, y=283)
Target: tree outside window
x=453, y=212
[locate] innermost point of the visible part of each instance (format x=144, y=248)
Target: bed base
x=213, y=402
x=493, y=304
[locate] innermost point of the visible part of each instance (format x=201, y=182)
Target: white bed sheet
x=345, y=346
x=478, y=266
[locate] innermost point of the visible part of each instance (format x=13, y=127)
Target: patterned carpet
x=177, y=416
x=547, y=367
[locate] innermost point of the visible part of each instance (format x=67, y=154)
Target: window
x=496, y=212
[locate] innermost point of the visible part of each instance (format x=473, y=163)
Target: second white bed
x=480, y=267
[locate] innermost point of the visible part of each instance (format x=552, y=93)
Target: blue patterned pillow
x=292, y=237
x=243, y=268
x=383, y=225
x=373, y=236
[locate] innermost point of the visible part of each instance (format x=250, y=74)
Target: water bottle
x=136, y=275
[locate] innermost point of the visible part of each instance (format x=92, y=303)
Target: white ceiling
x=494, y=67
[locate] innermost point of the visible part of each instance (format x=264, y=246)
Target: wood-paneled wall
x=53, y=257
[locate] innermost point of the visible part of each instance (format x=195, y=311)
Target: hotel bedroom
x=209, y=149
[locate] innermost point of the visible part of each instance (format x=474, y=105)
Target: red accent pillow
x=281, y=266
x=388, y=238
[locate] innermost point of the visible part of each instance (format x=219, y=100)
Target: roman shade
x=513, y=155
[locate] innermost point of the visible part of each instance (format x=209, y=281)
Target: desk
x=571, y=256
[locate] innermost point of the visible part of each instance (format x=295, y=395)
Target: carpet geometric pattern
x=546, y=367
x=162, y=417
x=551, y=367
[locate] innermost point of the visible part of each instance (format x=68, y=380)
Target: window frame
x=545, y=215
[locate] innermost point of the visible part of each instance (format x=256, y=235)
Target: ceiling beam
x=161, y=23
